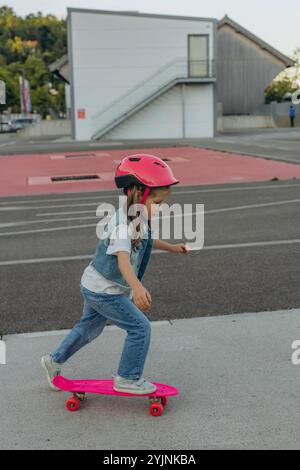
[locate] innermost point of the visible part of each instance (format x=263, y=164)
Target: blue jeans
x=97, y=309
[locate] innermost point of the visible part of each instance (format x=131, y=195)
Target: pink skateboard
x=79, y=388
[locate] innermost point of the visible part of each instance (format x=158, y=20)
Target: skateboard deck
x=79, y=388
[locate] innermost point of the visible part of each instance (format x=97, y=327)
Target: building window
x=198, y=55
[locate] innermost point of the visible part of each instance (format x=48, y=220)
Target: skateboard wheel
x=73, y=404
x=156, y=409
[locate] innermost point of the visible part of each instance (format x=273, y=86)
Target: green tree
x=31, y=44
x=278, y=89
x=286, y=82
x=12, y=89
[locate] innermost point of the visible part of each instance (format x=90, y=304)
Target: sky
x=275, y=21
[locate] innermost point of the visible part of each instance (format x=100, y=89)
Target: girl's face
x=154, y=201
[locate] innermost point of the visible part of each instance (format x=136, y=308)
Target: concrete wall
x=245, y=122
x=280, y=113
x=43, y=128
x=112, y=53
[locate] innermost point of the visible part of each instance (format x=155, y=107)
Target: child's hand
x=180, y=248
x=142, y=298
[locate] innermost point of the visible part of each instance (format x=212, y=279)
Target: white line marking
x=251, y=206
x=59, y=206
x=252, y=244
x=45, y=260
x=205, y=248
x=212, y=211
x=29, y=222
x=47, y=214
x=56, y=229
x=175, y=193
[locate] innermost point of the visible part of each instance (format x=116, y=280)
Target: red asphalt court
x=33, y=174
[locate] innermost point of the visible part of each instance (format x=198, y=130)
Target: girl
x=111, y=284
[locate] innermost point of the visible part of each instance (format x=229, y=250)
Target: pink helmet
x=143, y=169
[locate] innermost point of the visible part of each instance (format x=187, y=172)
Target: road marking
x=29, y=222
x=212, y=211
x=117, y=194
x=196, y=249
x=56, y=229
x=50, y=207
x=47, y=214
x=45, y=260
x=244, y=245
x=251, y=206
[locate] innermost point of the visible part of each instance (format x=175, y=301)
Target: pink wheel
x=156, y=409
x=73, y=404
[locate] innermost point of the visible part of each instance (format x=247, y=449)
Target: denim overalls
x=107, y=265
x=98, y=308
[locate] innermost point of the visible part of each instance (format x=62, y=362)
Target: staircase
x=176, y=71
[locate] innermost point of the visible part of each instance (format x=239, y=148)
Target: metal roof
x=262, y=44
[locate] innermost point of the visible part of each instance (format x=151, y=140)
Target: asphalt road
x=250, y=261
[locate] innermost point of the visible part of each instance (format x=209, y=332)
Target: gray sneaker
x=52, y=369
x=136, y=387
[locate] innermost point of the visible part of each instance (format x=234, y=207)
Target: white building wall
x=199, y=114
x=164, y=117
x=112, y=53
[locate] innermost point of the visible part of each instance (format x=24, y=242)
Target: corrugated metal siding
x=244, y=70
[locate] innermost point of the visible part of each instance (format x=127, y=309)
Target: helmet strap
x=145, y=195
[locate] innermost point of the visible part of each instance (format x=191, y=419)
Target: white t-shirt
x=120, y=240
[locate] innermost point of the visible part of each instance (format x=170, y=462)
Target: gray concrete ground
x=274, y=144
x=238, y=389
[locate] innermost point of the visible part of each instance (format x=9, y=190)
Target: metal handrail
x=134, y=88
x=177, y=69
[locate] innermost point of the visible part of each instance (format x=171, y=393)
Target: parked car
x=21, y=122
x=7, y=126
